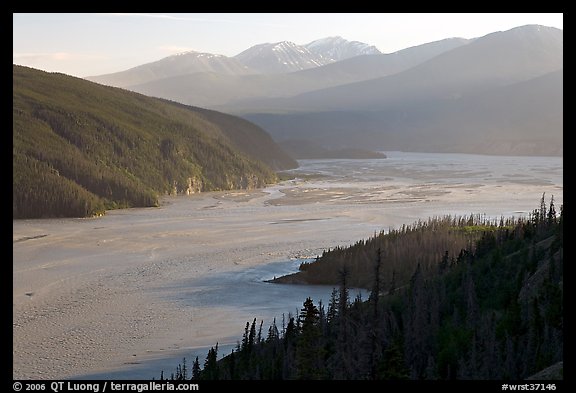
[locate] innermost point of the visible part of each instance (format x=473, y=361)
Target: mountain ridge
x=228, y=92
x=513, y=57
x=179, y=64
x=80, y=148
x=509, y=120
x=437, y=105
x=279, y=57
x=407, y=100
x=337, y=48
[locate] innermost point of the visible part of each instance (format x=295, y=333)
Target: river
x=131, y=293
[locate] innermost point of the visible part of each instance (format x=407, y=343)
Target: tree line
x=80, y=148
x=494, y=310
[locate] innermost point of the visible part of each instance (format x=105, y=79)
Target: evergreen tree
x=290, y=341
x=309, y=353
x=374, y=334
x=196, y=369
x=497, y=313
x=252, y=336
x=244, y=347
x=211, y=368
x=392, y=366
x=343, y=368
x=332, y=306
x=551, y=212
x=273, y=334
x=259, y=337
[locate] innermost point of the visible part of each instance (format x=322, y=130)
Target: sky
x=94, y=44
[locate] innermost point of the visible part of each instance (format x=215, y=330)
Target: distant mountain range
x=229, y=91
x=496, y=60
x=181, y=64
x=343, y=94
x=337, y=48
x=270, y=58
x=280, y=57
x=498, y=94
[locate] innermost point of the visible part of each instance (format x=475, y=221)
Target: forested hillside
x=490, y=310
x=80, y=148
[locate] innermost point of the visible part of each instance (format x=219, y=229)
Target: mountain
x=233, y=93
x=337, y=48
x=306, y=149
x=222, y=83
x=180, y=64
x=421, y=98
x=280, y=57
x=372, y=66
x=434, y=106
x=80, y=148
x=497, y=59
x=525, y=118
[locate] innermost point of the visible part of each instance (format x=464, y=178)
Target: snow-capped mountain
x=275, y=58
x=179, y=64
x=337, y=48
x=280, y=57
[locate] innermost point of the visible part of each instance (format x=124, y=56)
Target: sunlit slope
x=80, y=148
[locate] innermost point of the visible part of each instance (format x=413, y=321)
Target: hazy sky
x=95, y=44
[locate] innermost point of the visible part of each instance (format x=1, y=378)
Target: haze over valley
x=492, y=94
x=300, y=203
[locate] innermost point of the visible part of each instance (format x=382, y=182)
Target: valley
x=134, y=291
x=205, y=172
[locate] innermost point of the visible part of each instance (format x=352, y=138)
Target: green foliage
x=211, y=369
x=453, y=343
x=80, y=148
x=424, y=242
x=494, y=311
x=309, y=352
x=393, y=366
x=34, y=185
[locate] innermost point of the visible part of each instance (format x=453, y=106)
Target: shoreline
x=290, y=279
x=97, y=295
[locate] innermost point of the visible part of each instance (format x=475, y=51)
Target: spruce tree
x=196, y=369
x=309, y=349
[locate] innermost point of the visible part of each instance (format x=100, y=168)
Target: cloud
x=206, y=19
x=170, y=17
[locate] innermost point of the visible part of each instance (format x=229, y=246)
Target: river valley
x=131, y=293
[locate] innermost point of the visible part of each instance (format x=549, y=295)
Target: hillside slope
x=80, y=148
x=495, y=60
x=180, y=64
x=500, y=94
x=524, y=118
